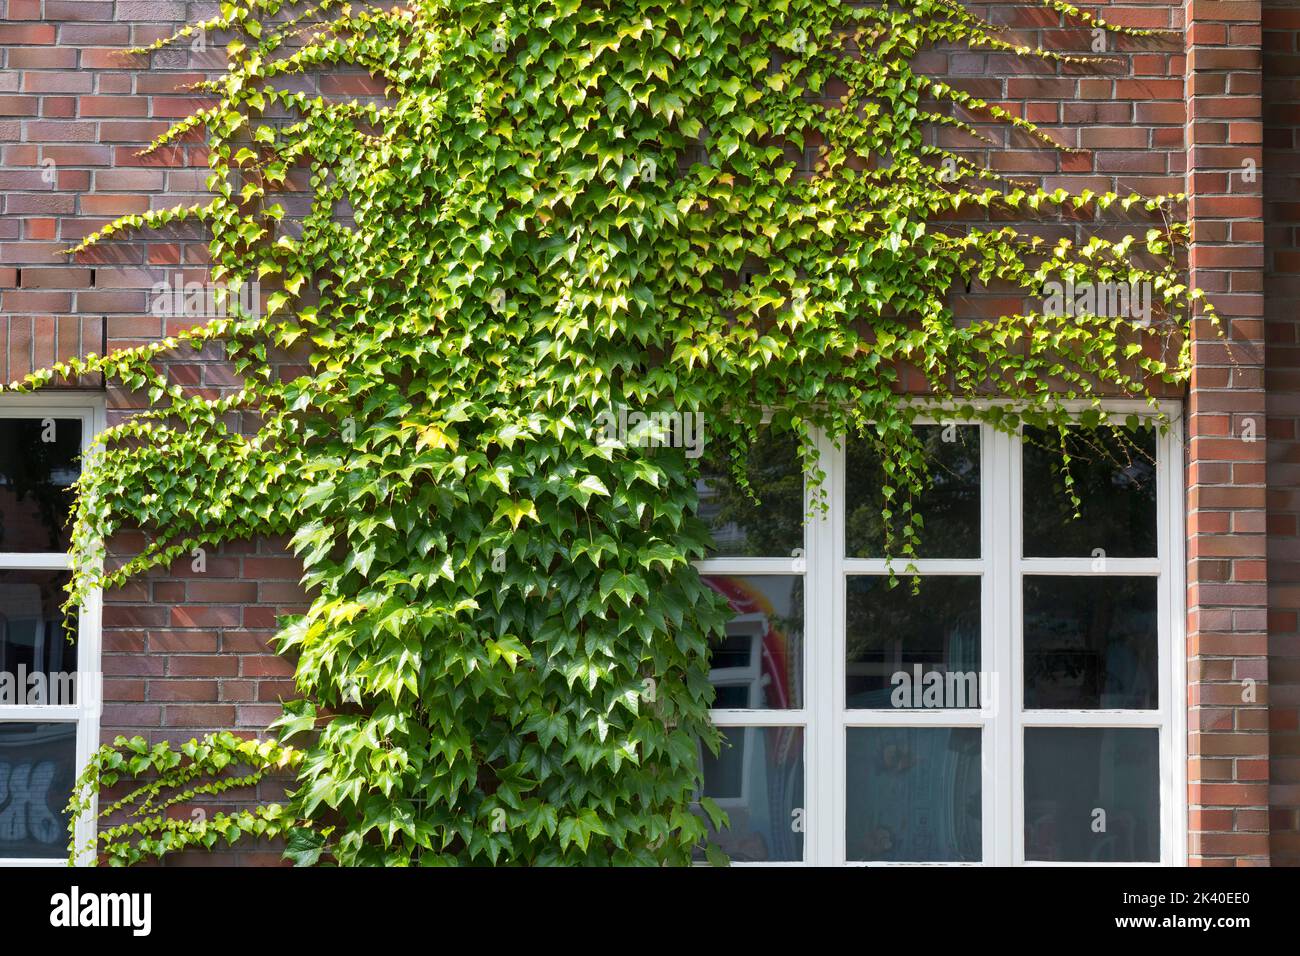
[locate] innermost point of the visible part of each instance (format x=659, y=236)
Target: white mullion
x=34, y=561
x=763, y=864
x=67, y=404
x=905, y=864
x=916, y=717
x=737, y=717
x=1003, y=535
x=1090, y=864
x=933, y=412
x=826, y=589
x=1092, y=567
x=90, y=701
x=1015, y=651
x=1092, y=718
x=1176, y=601
x=41, y=713
x=923, y=566
x=90, y=692
x=745, y=566
x=1169, y=536
x=17, y=861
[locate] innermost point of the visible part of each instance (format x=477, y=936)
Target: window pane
x=771, y=528
x=1115, y=479
x=912, y=650
x=757, y=778
x=760, y=662
x=914, y=794
x=37, y=769
x=1092, y=794
x=38, y=656
x=949, y=508
x=1091, y=642
x=39, y=460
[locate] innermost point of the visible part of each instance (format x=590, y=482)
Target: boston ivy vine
x=173, y=778
x=560, y=209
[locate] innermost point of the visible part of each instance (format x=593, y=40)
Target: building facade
x=1167, y=732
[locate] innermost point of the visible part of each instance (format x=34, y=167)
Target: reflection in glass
x=1115, y=479
x=759, y=664
x=949, y=508
x=771, y=528
x=757, y=778
x=38, y=656
x=1090, y=642
x=914, y=794
x=1092, y=794
x=37, y=766
x=912, y=650
x=39, y=461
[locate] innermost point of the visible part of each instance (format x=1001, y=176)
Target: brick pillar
x=1227, y=587
x=1282, y=327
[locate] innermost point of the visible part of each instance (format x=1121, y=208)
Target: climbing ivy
x=173, y=779
x=558, y=210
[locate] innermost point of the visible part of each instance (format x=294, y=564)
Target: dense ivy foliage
x=560, y=209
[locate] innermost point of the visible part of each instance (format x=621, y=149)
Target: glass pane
x=771, y=528
x=760, y=662
x=757, y=778
x=38, y=653
x=914, y=794
x=1091, y=643
x=37, y=769
x=1092, y=794
x=1115, y=479
x=912, y=650
x=39, y=460
x=949, y=508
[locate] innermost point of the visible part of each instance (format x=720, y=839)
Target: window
x=1019, y=705
x=49, y=665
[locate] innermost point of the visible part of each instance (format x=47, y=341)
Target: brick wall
x=1282, y=328
x=1227, y=593
x=187, y=652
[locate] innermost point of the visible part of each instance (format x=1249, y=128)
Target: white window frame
x=89, y=408
x=825, y=720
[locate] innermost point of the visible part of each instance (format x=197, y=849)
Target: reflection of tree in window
x=770, y=527
x=1090, y=642
x=35, y=480
x=949, y=506
x=1114, y=477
